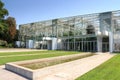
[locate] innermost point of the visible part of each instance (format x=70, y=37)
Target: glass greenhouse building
x=98, y=32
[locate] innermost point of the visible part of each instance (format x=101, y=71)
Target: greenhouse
x=98, y=32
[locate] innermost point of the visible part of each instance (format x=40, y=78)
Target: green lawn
x=109, y=70
x=40, y=54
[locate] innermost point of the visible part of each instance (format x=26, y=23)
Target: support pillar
x=110, y=42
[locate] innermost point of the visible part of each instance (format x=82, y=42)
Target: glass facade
x=74, y=33
x=116, y=30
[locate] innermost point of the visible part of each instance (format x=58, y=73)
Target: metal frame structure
x=83, y=32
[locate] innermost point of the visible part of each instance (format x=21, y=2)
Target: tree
x=7, y=26
x=11, y=22
x=16, y=36
x=3, y=25
x=3, y=11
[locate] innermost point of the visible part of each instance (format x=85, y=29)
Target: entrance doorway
x=105, y=44
x=49, y=43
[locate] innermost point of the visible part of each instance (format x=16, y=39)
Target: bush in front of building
x=3, y=43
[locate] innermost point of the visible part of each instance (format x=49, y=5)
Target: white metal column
x=110, y=42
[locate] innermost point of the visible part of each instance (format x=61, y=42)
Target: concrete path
x=19, y=50
x=7, y=75
x=74, y=69
x=66, y=71
x=23, y=55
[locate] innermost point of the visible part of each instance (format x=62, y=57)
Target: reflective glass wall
x=116, y=31
x=71, y=30
x=76, y=32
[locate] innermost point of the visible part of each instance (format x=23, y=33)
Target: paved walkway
x=66, y=71
x=19, y=50
x=7, y=75
x=23, y=55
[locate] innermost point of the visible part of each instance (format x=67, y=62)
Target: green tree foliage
x=3, y=11
x=3, y=25
x=7, y=26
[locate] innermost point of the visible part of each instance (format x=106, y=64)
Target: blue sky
x=27, y=11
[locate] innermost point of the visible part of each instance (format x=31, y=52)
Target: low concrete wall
x=38, y=73
x=28, y=73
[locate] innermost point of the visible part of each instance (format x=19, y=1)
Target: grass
x=110, y=70
x=40, y=54
x=38, y=65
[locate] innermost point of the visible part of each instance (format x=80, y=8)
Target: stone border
x=35, y=74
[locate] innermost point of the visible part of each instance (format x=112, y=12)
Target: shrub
x=10, y=45
x=3, y=43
